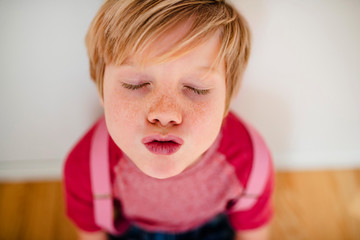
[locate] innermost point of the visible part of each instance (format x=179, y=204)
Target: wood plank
x=33, y=210
x=308, y=205
x=315, y=205
x=11, y=209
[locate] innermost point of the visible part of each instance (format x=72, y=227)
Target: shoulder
x=236, y=146
x=77, y=184
x=241, y=144
x=77, y=169
x=78, y=157
x=235, y=136
x=77, y=180
x=250, y=158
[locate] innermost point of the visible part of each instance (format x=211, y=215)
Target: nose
x=165, y=112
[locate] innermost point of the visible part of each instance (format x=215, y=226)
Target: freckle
x=125, y=110
x=131, y=111
x=196, y=111
x=164, y=103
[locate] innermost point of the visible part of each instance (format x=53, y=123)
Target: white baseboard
x=317, y=161
x=31, y=170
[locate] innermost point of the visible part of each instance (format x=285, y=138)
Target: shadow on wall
x=270, y=115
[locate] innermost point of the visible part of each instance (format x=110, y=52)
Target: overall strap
x=100, y=178
x=260, y=171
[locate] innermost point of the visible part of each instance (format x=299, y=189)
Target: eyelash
x=138, y=86
x=199, y=91
x=134, y=87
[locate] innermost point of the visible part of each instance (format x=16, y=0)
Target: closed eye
x=198, y=91
x=134, y=87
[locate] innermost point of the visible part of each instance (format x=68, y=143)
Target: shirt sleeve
x=77, y=186
x=258, y=215
x=237, y=146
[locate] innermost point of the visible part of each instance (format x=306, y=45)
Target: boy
x=180, y=165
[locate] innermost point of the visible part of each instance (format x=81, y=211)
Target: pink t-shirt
x=211, y=186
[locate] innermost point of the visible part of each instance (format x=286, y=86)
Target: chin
x=161, y=173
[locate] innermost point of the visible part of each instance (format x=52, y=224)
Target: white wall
x=303, y=82
x=300, y=90
x=46, y=97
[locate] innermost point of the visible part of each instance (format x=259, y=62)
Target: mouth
x=162, y=145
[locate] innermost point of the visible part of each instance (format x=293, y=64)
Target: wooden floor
x=309, y=205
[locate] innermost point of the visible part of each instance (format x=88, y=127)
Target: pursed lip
x=161, y=138
x=162, y=145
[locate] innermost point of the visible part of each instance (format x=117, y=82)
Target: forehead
x=167, y=40
x=200, y=60
x=170, y=46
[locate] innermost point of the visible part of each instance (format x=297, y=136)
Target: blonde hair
x=123, y=27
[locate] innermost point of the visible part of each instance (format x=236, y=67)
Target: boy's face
x=165, y=116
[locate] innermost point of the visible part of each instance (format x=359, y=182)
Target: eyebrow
x=208, y=69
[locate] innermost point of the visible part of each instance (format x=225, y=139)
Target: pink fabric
x=233, y=164
x=77, y=185
x=100, y=180
x=179, y=203
x=259, y=174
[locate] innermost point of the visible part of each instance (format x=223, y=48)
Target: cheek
x=121, y=110
x=198, y=113
x=206, y=116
